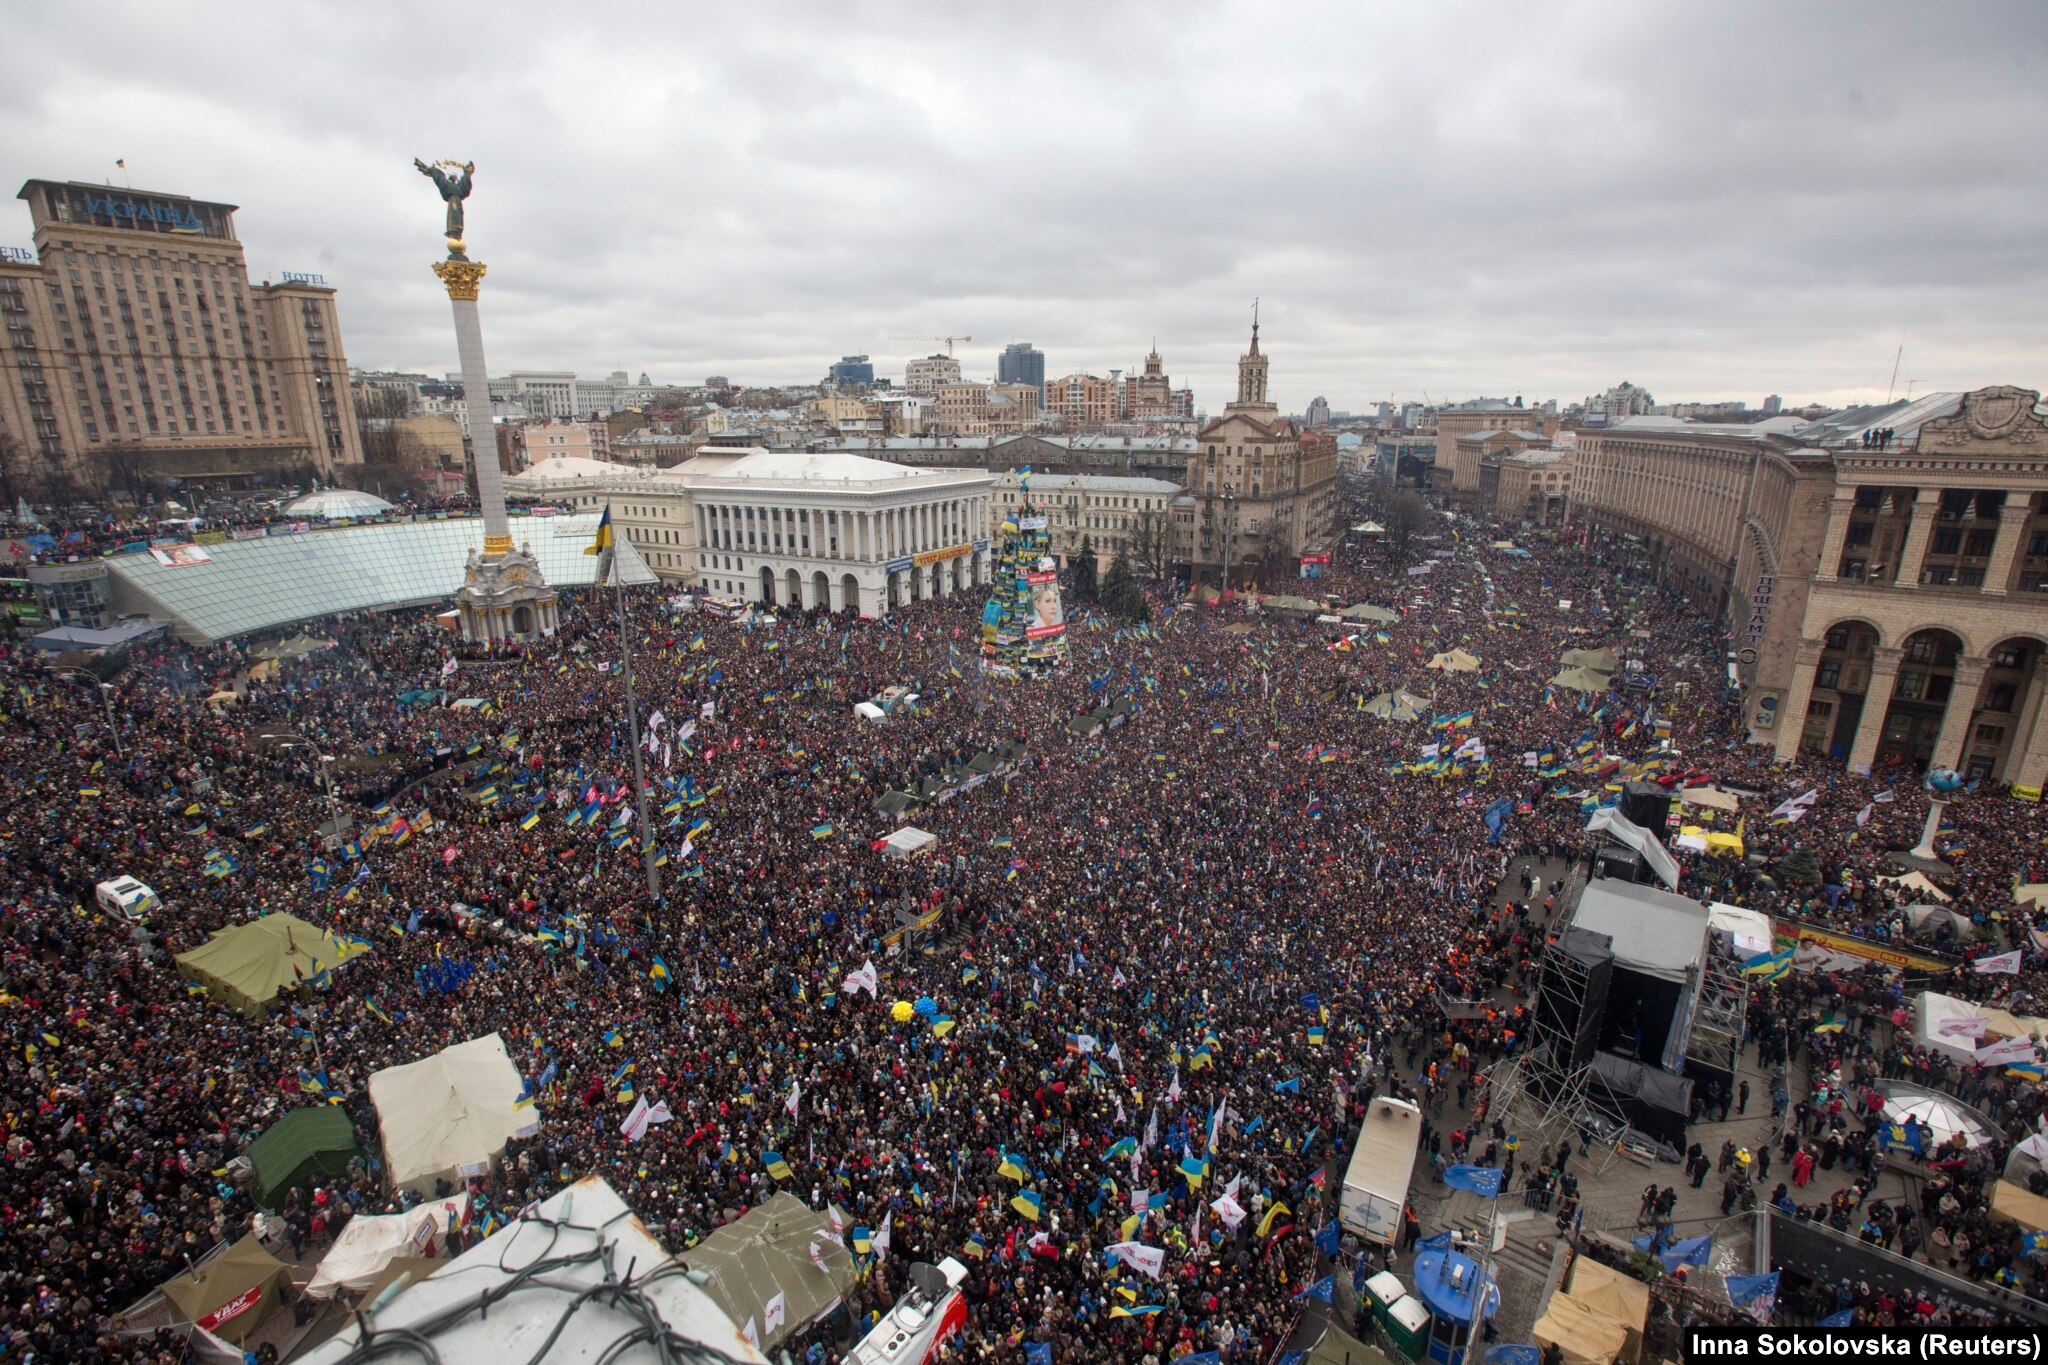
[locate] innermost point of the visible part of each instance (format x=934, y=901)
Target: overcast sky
x=1713, y=201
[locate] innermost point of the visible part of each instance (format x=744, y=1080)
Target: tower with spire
x=1251, y=379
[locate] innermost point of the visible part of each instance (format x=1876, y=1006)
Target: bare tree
x=1151, y=544
x=19, y=481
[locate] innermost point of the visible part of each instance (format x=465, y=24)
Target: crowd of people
x=1243, y=913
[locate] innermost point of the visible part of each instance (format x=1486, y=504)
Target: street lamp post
x=85, y=678
x=291, y=740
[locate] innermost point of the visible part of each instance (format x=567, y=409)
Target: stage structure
x=1635, y=1005
x=1024, y=625
x=504, y=595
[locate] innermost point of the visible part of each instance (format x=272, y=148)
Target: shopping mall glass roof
x=250, y=585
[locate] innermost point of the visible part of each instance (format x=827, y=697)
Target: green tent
x=893, y=803
x=1283, y=602
x=1581, y=680
x=781, y=1249
x=249, y=965
x=305, y=1144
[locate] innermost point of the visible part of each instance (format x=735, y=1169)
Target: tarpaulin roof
x=1455, y=661
x=908, y=840
x=247, y=965
x=2024, y=1207
x=1626, y=831
x=1581, y=680
x=230, y=1295
x=1366, y=611
x=449, y=1114
x=1750, y=929
x=1931, y=1010
x=312, y=1141
x=368, y=1244
x=1599, y=660
x=1621, y=1297
x=1654, y=932
x=776, y=1250
x=1583, y=1334
x=1711, y=797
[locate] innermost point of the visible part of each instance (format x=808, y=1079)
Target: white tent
x=1932, y=1009
x=450, y=1114
x=908, y=840
x=1750, y=930
x=370, y=1242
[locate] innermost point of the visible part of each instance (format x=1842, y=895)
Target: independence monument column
x=503, y=596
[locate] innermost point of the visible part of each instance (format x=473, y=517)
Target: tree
x=1121, y=595
x=1152, y=544
x=1405, y=516
x=1085, y=586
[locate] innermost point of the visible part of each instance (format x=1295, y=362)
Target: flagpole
x=633, y=731
x=1485, y=1278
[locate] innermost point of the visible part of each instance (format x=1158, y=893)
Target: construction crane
x=948, y=340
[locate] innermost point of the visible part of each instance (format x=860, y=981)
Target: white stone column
x=462, y=278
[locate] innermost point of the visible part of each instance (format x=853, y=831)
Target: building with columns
x=840, y=531
x=1880, y=570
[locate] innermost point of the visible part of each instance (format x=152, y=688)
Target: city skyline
x=1428, y=205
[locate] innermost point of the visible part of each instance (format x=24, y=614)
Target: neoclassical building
x=1261, y=487
x=840, y=531
x=1881, y=570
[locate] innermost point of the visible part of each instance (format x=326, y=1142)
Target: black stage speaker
x=1648, y=807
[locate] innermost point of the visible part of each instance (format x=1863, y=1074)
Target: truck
x=1382, y=1164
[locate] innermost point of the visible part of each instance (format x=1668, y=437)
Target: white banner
x=1147, y=1261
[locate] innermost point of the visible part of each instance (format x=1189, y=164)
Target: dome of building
x=338, y=504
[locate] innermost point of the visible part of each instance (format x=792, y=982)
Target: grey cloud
x=1711, y=201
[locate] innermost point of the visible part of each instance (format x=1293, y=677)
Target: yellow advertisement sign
x=1856, y=947
x=2026, y=793
x=941, y=556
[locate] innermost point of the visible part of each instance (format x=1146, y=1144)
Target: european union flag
x=1483, y=1181
x=1327, y=1240
x=1037, y=1353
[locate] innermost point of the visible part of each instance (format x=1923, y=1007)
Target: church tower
x=1251, y=379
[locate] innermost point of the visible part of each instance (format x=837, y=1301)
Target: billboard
x=1048, y=618
x=179, y=554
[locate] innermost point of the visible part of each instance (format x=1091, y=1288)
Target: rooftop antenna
x=1909, y=389
x=1895, y=373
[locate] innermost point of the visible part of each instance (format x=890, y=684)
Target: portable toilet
x=1382, y=1292
x=1407, y=1326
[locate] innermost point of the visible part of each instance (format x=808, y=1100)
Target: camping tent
x=894, y=803
x=780, y=1250
x=1713, y=798
x=1583, y=1334
x=908, y=840
x=1455, y=661
x=1581, y=680
x=231, y=1295
x=305, y=1144
x=248, y=965
x=449, y=1115
x=1599, y=660
x=1942, y=1118
x=1928, y=919
x=370, y=1243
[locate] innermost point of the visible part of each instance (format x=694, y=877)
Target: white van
x=128, y=898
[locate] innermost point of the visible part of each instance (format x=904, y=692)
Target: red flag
x=448, y=855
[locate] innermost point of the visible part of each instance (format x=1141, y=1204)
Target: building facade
x=133, y=347
x=1149, y=519
x=1457, y=465
x=1880, y=571
x=1263, y=491
x=977, y=409
x=1022, y=363
x=926, y=373
x=841, y=532
x=555, y=440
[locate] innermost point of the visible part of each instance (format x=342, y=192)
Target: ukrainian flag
x=863, y=1240
x=1029, y=1203
x=776, y=1166
x=1010, y=1169
x=1768, y=964
x=659, y=971
x=602, y=541
x=532, y=819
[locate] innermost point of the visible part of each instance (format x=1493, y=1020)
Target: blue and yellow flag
x=602, y=541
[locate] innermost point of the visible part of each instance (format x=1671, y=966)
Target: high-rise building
x=1149, y=396
x=926, y=373
x=1082, y=400
x=1022, y=363
x=853, y=371
x=1319, y=411
x=138, y=351
x=1772, y=404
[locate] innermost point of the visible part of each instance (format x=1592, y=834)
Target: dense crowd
x=1255, y=901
